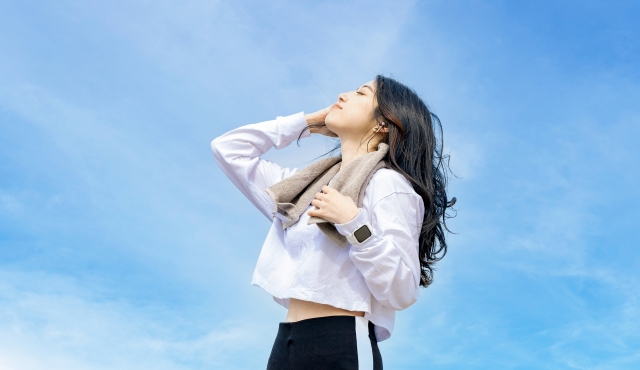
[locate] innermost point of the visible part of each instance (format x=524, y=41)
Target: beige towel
x=293, y=195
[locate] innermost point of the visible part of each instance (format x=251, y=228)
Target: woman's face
x=352, y=114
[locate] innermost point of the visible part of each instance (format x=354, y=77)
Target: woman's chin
x=334, y=118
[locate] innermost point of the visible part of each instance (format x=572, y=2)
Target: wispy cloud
x=53, y=321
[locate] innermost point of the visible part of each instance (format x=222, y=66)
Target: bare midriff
x=302, y=310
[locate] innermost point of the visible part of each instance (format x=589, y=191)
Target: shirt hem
x=279, y=298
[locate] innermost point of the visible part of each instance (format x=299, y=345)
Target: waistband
x=328, y=323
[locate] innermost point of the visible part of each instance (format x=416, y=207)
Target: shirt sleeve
x=388, y=259
x=238, y=152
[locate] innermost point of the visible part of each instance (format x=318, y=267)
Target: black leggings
x=331, y=342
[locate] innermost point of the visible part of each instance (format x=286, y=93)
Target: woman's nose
x=342, y=97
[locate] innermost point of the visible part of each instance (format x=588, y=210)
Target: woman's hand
x=316, y=124
x=333, y=206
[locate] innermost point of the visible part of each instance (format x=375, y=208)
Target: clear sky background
x=124, y=246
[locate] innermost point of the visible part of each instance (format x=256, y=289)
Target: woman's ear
x=382, y=127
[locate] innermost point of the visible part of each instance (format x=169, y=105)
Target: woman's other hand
x=316, y=124
x=333, y=206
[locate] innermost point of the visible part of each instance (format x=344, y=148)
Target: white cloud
x=244, y=48
x=56, y=322
x=9, y=203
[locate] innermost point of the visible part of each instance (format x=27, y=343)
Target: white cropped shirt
x=379, y=276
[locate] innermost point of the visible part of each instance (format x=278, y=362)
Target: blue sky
x=123, y=245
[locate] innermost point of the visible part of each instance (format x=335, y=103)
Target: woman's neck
x=352, y=150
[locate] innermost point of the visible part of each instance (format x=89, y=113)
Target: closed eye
x=358, y=92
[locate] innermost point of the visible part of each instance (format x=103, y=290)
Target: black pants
x=332, y=342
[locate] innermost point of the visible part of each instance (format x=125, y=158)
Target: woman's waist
x=302, y=310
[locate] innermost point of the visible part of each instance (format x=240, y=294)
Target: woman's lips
x=336, y=106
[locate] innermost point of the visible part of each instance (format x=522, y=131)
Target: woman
x=342, y=301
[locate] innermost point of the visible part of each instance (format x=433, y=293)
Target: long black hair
x=415, y=151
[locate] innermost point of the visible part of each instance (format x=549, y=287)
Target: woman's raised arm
x=238, y=152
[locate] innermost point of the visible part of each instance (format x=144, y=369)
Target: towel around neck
x=293, y=195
